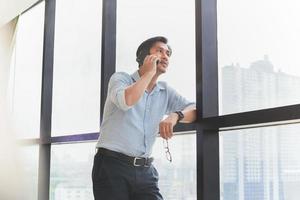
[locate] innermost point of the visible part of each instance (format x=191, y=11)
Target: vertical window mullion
x=108, y=52
x=208, y=184
x=46, y=102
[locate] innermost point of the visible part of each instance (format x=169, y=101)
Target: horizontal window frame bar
x=262, y=125
x=180, y=129
x=253, y=119
x=258, y=118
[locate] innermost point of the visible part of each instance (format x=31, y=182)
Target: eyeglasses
x=167, y=150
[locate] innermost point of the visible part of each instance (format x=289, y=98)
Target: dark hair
x=144, y=48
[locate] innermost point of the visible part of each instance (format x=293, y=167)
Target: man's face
x=161, y=50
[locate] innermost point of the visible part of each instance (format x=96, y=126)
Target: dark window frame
x=208, y=124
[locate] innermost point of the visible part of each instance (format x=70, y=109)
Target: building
x=259, y=163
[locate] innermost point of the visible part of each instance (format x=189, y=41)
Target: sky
x=248, y=30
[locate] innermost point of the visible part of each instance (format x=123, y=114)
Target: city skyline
x=259, y=163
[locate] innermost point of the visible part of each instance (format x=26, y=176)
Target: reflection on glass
x=260, y=163
x=258, y=61
x=138, y=20
x=71, y=169
x=26, y=73
x=76, y=78
x=177, y=179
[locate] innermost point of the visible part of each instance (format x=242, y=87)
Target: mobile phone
x=142, y=57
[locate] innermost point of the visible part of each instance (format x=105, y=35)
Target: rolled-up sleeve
x=176, y=102
x=116, y=89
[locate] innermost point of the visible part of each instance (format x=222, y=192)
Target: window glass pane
x=258, y=49
x=138, y=20
x=177, y=180
x=26, y=73
x=71, y=169
x=76, y=81
x=260, y=163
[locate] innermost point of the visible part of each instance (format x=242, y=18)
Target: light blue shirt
x=132, y=130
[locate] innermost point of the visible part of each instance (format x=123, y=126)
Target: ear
x=141, y=57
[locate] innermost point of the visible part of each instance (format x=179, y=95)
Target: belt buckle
x=146, y=162
x=134, y=162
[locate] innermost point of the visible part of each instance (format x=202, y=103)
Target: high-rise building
x=259, y=163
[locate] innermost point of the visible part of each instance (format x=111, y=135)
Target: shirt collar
x=136, y=76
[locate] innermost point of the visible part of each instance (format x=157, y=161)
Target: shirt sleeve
x=176, y=102
x=116, y=89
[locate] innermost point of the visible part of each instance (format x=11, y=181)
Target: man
x=132, y=118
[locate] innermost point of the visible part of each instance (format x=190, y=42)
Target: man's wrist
x=180, y=115
x=175, y=116
x=150, y=73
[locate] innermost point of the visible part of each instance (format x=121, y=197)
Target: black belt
x=135, y=161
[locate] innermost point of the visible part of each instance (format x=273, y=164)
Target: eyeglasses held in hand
x=167, y=150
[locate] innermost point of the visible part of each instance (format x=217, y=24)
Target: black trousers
x=114, y=179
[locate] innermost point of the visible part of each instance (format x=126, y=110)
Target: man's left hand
x=166, y=126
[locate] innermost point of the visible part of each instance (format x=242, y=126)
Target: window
x=137, y=21
x=77, y=64
x=71, y=166
x=178, y=178
x=71, y=169
x=257, y=54
x=157, y=18
x=255, y=163
x=260, y=163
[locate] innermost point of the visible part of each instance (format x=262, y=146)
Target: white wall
x=10, y=171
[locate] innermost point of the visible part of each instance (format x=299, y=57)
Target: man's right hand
x=149, y=65
x=134, y=91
